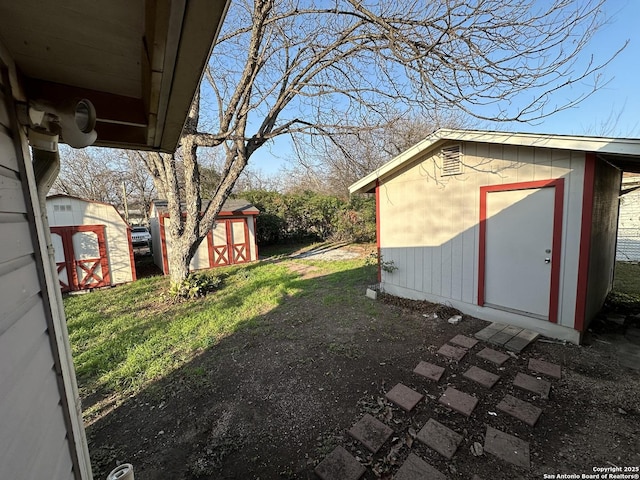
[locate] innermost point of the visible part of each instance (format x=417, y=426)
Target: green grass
x=627, y=278
x=126, y=337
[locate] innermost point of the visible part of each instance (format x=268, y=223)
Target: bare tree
x=295, y=67
x=333, y=163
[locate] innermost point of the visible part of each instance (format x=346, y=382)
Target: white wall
x=35, y=438
x=429, y=223
x=628, y=248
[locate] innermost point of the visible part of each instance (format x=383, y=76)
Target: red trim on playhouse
x=131, y=256
x=585, y=240
x=163, y=242
x=558, y=209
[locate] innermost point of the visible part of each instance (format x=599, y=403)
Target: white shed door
x=519, y=237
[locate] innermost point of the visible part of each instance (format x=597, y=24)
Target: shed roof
x=138, y=62
x=623, y=152
x=232, y=206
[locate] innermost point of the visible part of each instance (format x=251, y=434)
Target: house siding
x=429, y=223
x=35, y=436
x=628, y=246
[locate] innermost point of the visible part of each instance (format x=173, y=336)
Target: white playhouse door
x=518, y=249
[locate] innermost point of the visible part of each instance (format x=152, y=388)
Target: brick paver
x=429, y=370
x=371, y=432
x=520, y=409
x=452, y=352
x=507, y=447
x=415, y=468
x=546, y=368
x=442, y=439
x=493, y=356
x=464, y=341
x=484, y=378
x=532, y=384
x=458, y=401
x=521, y=340
x=339, y=465
x=488, y=332
x=505, y=335
x=404, y=397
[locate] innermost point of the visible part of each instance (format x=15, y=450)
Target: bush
x=195, y=285
x=307, y=215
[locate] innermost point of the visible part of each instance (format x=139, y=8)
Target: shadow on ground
x=273, y=398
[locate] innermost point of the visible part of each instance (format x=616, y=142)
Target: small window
x=56, y=208
x=451, y=160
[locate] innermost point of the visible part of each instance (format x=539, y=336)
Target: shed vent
x=451, y=160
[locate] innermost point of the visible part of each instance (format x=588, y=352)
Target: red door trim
x=132, y=259
x=558, y=209
x=163, y=243
x=585, y=241
x=210, y=247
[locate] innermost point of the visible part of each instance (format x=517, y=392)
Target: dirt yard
x=272, y=402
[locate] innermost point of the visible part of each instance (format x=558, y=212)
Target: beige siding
x=91, y=213
x=34, y=440
x=429, y=222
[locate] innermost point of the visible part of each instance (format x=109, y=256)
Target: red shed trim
x=558, y=209
x=585, y=241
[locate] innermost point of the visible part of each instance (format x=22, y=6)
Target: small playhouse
x=232, y=240
x=512, y=228
x=92, y=243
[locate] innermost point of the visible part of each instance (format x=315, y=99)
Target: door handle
x=547, y=260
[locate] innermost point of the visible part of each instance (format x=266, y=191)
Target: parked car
x=140, y=237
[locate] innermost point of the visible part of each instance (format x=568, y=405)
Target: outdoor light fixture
x=73, y=120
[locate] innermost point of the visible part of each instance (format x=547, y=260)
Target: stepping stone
x=493, y=356
x=488, y=332
x=452, y=352
x=484, y=378
x=464, y=341
x=520, y=341
x=339, y=465
x=521, y=410
x=429, y=370
x=442, y=439
x=545, y=368
x=371, y=432
x=505, y=335
x=414, y=468
x=404, y=397
x=532, y=384
x=458, y=401
x=507, y=447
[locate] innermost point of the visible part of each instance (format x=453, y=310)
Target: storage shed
x=232, y=240
x=139, y=64
x=92, y=243
x=508, y=227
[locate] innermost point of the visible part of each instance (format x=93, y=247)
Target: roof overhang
x=138, y=62
x=622, y=152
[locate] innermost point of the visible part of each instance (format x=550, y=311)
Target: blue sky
x=614, y=110
x=620, y=98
